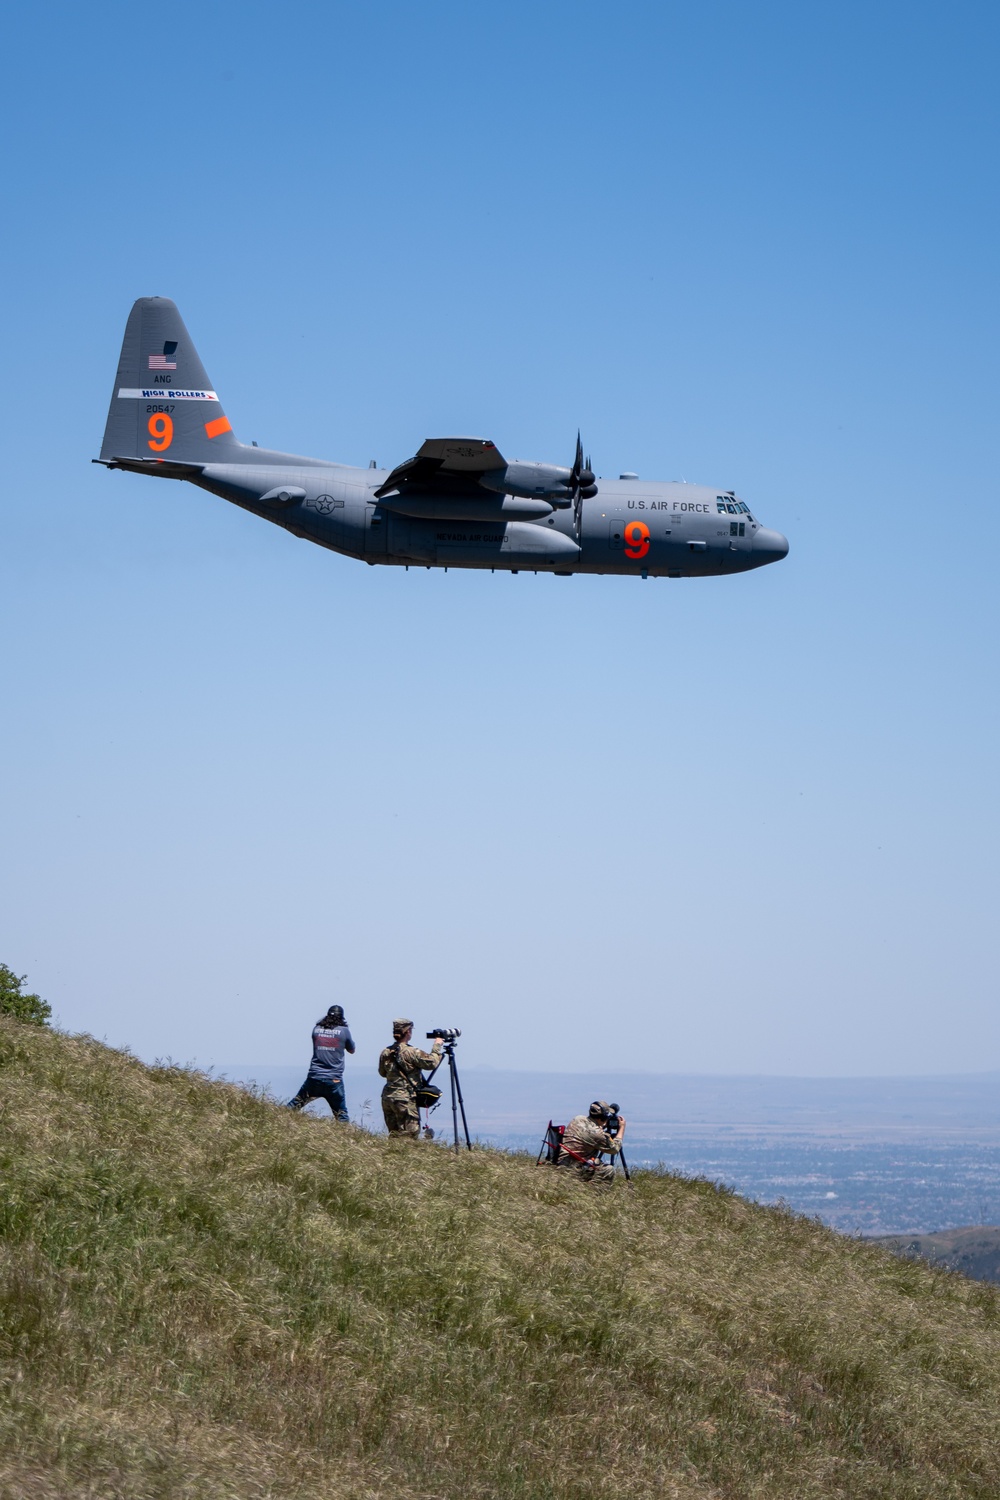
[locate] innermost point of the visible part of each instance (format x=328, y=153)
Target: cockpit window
x=727, y=504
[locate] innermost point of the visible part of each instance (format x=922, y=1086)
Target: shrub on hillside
x=14, y=1002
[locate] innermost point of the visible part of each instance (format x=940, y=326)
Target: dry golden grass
x=204, y=1295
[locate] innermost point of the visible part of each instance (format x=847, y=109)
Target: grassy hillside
x=974, y=1250
x=203, y=1295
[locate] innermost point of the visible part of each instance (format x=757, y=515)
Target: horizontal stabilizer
x=163, y=468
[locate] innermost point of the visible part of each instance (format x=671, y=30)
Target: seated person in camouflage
x=583, y=1141
x=401, y=1065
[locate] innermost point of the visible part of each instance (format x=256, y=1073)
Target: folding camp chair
x=551, y=1147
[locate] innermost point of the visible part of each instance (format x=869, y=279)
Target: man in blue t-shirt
x=331, y=1038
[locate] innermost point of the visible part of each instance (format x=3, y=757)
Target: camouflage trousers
x=401, y=1117
x=588, y=1171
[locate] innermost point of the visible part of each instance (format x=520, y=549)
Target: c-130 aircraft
x=456, y=504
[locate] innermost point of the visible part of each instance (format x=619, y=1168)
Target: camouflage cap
x=600, y=1109
x=400, y=1025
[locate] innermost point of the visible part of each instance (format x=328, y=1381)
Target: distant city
x=867, y=1156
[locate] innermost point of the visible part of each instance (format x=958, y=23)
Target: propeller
x=581, y=482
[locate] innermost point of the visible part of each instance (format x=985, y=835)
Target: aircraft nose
x=768, y=546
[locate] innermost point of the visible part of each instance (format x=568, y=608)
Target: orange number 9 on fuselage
x=161, y=430
x=636, y=539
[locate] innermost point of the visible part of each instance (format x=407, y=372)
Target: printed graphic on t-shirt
x=328, y=1051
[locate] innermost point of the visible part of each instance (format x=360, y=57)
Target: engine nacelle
x=531, y=482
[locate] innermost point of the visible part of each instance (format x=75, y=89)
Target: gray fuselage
x=630, y=526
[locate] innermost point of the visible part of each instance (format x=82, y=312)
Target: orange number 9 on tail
x=161, y=428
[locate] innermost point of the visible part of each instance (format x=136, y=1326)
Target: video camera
x=449, y=1035
x=613, y=1123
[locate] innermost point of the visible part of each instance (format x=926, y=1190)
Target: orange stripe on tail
x=216, y=428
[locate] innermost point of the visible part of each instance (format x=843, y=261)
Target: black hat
x=336, y=1015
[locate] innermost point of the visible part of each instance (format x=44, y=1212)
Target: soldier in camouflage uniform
x=583, y=1141
x=400, y=1065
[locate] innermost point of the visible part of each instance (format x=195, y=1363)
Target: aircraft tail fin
x=163, y=406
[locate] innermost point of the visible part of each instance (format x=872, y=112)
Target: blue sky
x=739, y=825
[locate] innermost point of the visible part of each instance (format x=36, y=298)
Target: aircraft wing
x=444, y=463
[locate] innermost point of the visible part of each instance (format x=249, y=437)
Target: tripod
x=611, y=1162
x=457, y=1102
x=613, y=1126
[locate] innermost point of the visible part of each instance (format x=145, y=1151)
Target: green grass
x=204, y=1295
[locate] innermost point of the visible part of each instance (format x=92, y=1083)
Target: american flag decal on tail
x=166, y=360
